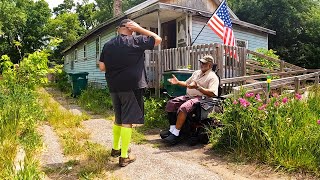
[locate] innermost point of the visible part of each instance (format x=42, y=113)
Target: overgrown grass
x=95, y=100
x=284, y=133
x=20, y=113
x=88, y=160
x=99, y=101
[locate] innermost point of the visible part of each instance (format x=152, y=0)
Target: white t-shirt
x=208, y=80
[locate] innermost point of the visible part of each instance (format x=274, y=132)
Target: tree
x=67, y=27
x=65, y=7
x=86, y=12
x=22, y=26
x=105, y=10
x=292, y=42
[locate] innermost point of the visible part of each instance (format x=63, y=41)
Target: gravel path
x=52, y=156
x=151, y=163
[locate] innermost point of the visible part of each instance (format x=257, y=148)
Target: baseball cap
x=206, y=59
x=123, y=22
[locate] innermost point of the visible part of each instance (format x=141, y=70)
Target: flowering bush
x=284, y=131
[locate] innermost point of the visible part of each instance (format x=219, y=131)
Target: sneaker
x=172, y=139
x=125, y=161
x=117, y=153
x=164, y=133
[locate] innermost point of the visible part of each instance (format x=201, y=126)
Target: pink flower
x=248, y=95
x=235, y=102
x=244, y=102
x=275, y=95
x=258, y=98
x=285, y=100
x=318, y=121
x=298, y=96
x=276, y=103
x=263, y=107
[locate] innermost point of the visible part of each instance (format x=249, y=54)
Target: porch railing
x=235, y=70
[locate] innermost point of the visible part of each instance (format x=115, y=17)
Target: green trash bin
x=182, y=75
x=79, y=82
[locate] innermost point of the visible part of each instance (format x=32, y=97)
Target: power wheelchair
x=195, y=128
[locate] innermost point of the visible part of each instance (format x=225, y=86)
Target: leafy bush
x=61, y=80
x=95, y=100
x=20, y=111
x=155, y=115
x=264, y=62
x=284, y=132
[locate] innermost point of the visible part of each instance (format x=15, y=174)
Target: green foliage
x=20, y=112
x=60, y=79
x=295, y=22
x=95, y=100
x=86, y=13
x=67, y=27
x=155, y=115
x=22, y=21
x=284, y=132
x=264, y=62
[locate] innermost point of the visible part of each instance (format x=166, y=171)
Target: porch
x=236, y=71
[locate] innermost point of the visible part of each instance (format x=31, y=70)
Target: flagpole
x=206, y=23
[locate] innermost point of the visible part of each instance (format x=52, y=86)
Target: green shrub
x=20, y=112
x=95, y=100
x=264, y=62
x=61, y=79
x=155, y=115
x=284, y=132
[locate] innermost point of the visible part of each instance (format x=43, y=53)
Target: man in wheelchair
x=202, y=86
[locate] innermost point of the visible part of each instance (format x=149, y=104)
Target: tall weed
x=284, y=132
x=20, y=112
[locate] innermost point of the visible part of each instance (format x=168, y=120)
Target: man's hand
x=193, y=85
x=133, y=26
x=173, y=80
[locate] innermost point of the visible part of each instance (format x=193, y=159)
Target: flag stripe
x=220, y=23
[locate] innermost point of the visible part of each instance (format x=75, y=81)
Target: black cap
x=123, y=22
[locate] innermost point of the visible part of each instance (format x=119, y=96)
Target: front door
x=168, y=35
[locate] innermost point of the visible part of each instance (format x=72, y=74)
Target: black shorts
x=128, y=106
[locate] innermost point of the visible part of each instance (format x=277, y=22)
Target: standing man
x=122, y=60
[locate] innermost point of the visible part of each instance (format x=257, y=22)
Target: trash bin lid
x=180, y=71
x=78, y=73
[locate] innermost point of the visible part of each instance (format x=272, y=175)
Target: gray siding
x=89, y=64
x=207, y=36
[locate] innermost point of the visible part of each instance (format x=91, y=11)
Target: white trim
x=140, y=6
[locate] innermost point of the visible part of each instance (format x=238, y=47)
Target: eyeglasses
x=203, y=63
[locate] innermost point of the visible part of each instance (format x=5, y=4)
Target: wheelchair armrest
x=168, y=95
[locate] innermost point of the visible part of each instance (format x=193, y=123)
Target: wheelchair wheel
x=203, y=136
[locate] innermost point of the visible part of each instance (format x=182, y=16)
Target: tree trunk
x=117, y=8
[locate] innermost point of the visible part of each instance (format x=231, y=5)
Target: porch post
x=158, y=62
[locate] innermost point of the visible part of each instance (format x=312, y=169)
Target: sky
x=55, y=3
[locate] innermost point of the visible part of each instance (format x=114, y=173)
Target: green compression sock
x=125, y=141
x=116, y=136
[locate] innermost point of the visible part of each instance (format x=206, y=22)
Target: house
x=177, y=21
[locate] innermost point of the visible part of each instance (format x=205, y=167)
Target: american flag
x=221, y=24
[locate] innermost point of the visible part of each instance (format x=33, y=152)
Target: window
x=242, y=43
x=98, y=48
x=85, y=51
x=75, y=55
